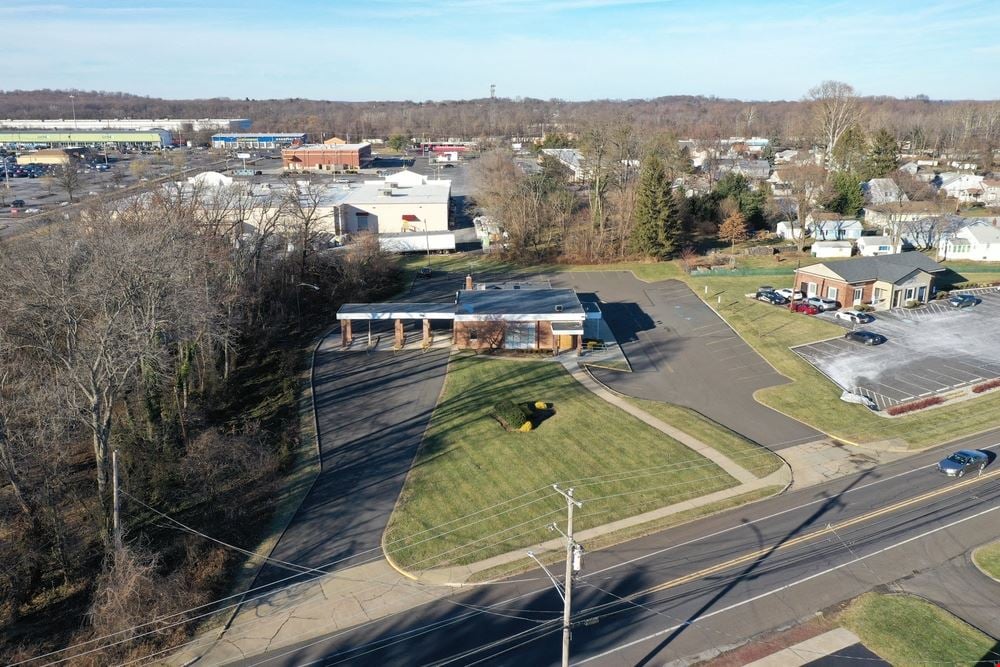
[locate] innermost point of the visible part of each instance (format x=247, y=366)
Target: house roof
x=874, y=240
x=832, y=244
x=928, y=207
x=884, y=190
x=509, y=303
x=889, y=268
x=982, y=233
x=827, y=224
x=831, y=216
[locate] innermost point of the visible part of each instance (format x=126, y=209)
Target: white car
x=854, y=316
x=789, y=293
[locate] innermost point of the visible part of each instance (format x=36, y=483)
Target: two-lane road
x=701, y=587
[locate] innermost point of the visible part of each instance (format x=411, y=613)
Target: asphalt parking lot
x=681, y=352
x=930, y=350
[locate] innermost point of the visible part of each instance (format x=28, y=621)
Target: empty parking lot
x=930, y=350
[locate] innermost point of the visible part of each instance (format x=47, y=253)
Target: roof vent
x=386, y=192
x=559, y=308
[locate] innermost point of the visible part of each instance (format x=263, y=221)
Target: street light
x=72, y=101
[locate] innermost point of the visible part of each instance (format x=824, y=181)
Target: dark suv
x=865, y=337
x=770, y=296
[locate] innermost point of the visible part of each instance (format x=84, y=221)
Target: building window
x=809, y=289
x=473, y=335
x=909, y=293
x=859, y=294
x=831, y=293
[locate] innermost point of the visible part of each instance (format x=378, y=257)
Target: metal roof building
x=172, y=124
x=56, y=138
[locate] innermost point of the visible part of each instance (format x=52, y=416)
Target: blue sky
x=453, y=49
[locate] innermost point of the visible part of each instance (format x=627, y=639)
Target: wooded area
x=160, y=329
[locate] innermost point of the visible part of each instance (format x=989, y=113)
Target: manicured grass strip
x=987, y=559
x=486, y=491
x=626, y=534
x=906, y=630
x=756, y=459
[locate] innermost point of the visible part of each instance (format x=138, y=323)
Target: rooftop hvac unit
x=385, y=192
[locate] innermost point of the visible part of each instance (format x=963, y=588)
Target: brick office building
x=883, y=281
x=324, y=157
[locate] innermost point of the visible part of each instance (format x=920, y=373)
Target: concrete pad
x=807, y=651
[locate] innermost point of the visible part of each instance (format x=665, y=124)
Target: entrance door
x=921, y=294
x=565, y=342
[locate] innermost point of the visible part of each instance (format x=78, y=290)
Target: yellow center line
x=847, y=523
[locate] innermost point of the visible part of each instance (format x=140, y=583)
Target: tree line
x=165, y=329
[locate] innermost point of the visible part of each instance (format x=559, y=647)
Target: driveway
x=372, y=410
x=681, y=352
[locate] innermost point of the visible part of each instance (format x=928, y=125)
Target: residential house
x=870, y=246
x=886, y=217
x=754, y=170
x=991, y=192
x=884, y=281
x=966, y=188
x=883, y=191
x=785, y=156
x=977, y=241
x=910, y=168
x=832, y=249
x=828, y=226
x=572, y=159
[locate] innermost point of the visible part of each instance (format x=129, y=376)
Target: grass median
x=756, y=459
x=906, y=630
x=476, y=490
x=987, y=559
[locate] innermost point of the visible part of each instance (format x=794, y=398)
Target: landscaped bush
x=986, y=386
x=903, y=408
x=525, y=427
x=510, y=414
x=864, y=308
x=541, y=405
x=912, y=303
x=942, y=294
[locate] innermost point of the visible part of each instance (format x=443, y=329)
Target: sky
x=360, y=50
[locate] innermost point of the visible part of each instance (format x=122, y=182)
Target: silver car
x=963, y=461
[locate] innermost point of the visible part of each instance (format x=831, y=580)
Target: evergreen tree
x=658, y=232
x=882, y=157
x=844, y=194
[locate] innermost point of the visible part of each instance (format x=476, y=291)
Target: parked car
x=789, y=293
x=17, y=203
x=963, y=461
x=425, y=272
x=771, y=297
x=962, y=301
x=854, y=316
x=865, y=337
x=803, y=307
x=822, y=304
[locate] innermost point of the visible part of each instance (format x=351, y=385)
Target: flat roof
x=528, y=304
x=372, y=193
x=396, y=311
x=247, y=135
x=329, y=148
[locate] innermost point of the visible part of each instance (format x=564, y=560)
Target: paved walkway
x=809, y=651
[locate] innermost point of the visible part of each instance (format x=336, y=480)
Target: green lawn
x=987, y=559
x=489, y=491
x=758, y=460
x=906, y=630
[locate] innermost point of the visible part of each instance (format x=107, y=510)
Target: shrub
x=864, y=308
x=525, y=427
x=912, y=303
x=986, y=386
x=541, y=405
x=942, y=294
x=511, y=415
x=903, y=408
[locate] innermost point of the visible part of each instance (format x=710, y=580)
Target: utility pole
x=116, y=526
x=574, y=562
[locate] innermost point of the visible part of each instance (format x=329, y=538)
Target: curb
x=972, y=559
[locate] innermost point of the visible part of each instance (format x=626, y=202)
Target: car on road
x=962, y=301
x=425, y=272
x=865, y=337
x=17, y=203
x=790, y=293
x=963, y=461
x=823, y=304
x=771, y=297
x=803, y=307
x=854, y=316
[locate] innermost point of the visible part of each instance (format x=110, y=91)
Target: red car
x=803, y=307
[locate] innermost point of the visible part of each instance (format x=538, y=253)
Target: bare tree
x=805, y=183
x=836, y=110
x=68, y=178
x=304, y=221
